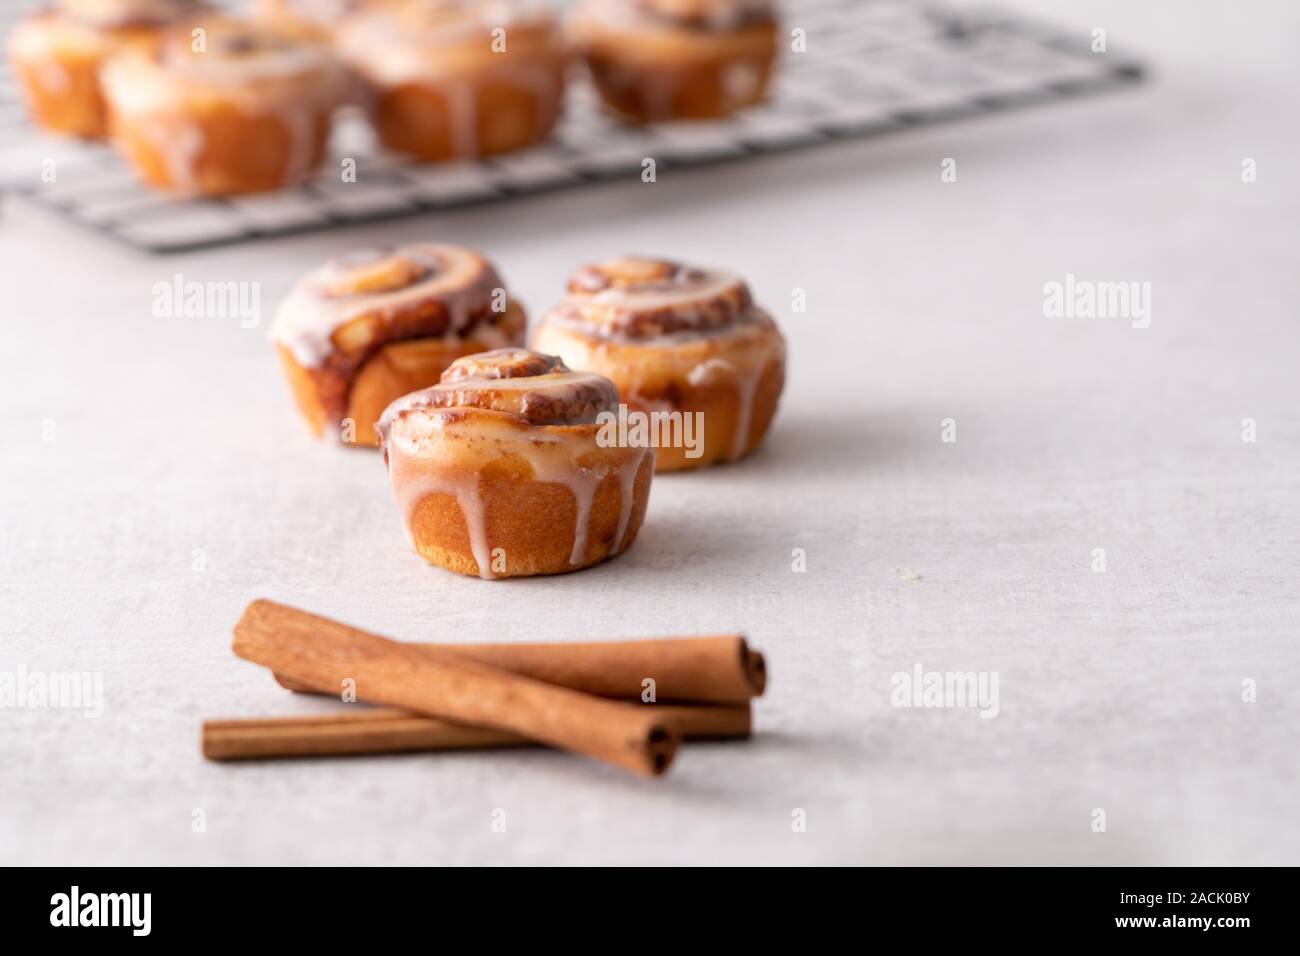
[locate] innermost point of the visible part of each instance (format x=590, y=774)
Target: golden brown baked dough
x=677, y=59
x=362, y=330
x=674, y=338
x=454, y=79
x=238, y=108
x=498, y=471
x=57, y=53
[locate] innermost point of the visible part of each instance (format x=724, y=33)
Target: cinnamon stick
x=320, y=652
x=715, y=670
x=376, y=730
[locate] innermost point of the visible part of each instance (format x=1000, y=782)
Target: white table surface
x=175, y=439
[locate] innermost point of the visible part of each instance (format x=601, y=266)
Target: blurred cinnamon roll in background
x=677, y=59
x=364, y=329
x=455, y=79
x=674, y=338
x=57, y=53
x=314, y=19
x=499, y=470
x=221, y=106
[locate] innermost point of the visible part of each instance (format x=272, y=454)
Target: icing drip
x=471, y=507
x=745, y=381
x=627, y=483
x=462, y=101
x=582, y=484
x=746, y=386
x=411, y=487
x=181, y=146
x=740, y=82
x=302, y=144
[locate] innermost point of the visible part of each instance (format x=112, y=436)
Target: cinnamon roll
x=675, y=339
x=57, y=53
x=452, y=79
x=223, y=106
x=362, y=330
x=500, y=471
x=677, y=59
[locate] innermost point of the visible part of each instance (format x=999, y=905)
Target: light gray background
x=1119, y=690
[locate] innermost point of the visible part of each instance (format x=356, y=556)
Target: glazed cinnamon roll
x=677, y=59
x=454, y=79
x=362, y=330
x=500, y=471
x=57, y=53
x=223, y=106
x=675, y=339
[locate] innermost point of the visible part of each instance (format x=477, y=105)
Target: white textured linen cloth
x=156, y=478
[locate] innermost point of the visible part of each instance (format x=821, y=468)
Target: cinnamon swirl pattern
x=362, y=330
x=57, y=53
x=674, y=339
x=223, y=107
x=677, y=59
x=498, y=470
x=455, y=79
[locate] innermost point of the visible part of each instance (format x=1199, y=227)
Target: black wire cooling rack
x=871, y=67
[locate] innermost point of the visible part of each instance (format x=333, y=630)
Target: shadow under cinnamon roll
x=222, y=106
x=675, y=339
x=362, y=330
x=499, y=470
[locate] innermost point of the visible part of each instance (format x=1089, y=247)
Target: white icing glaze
x=460, y=278
x=277, y=77
x=746, y=387
x=680, y=297
x=721, y=16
